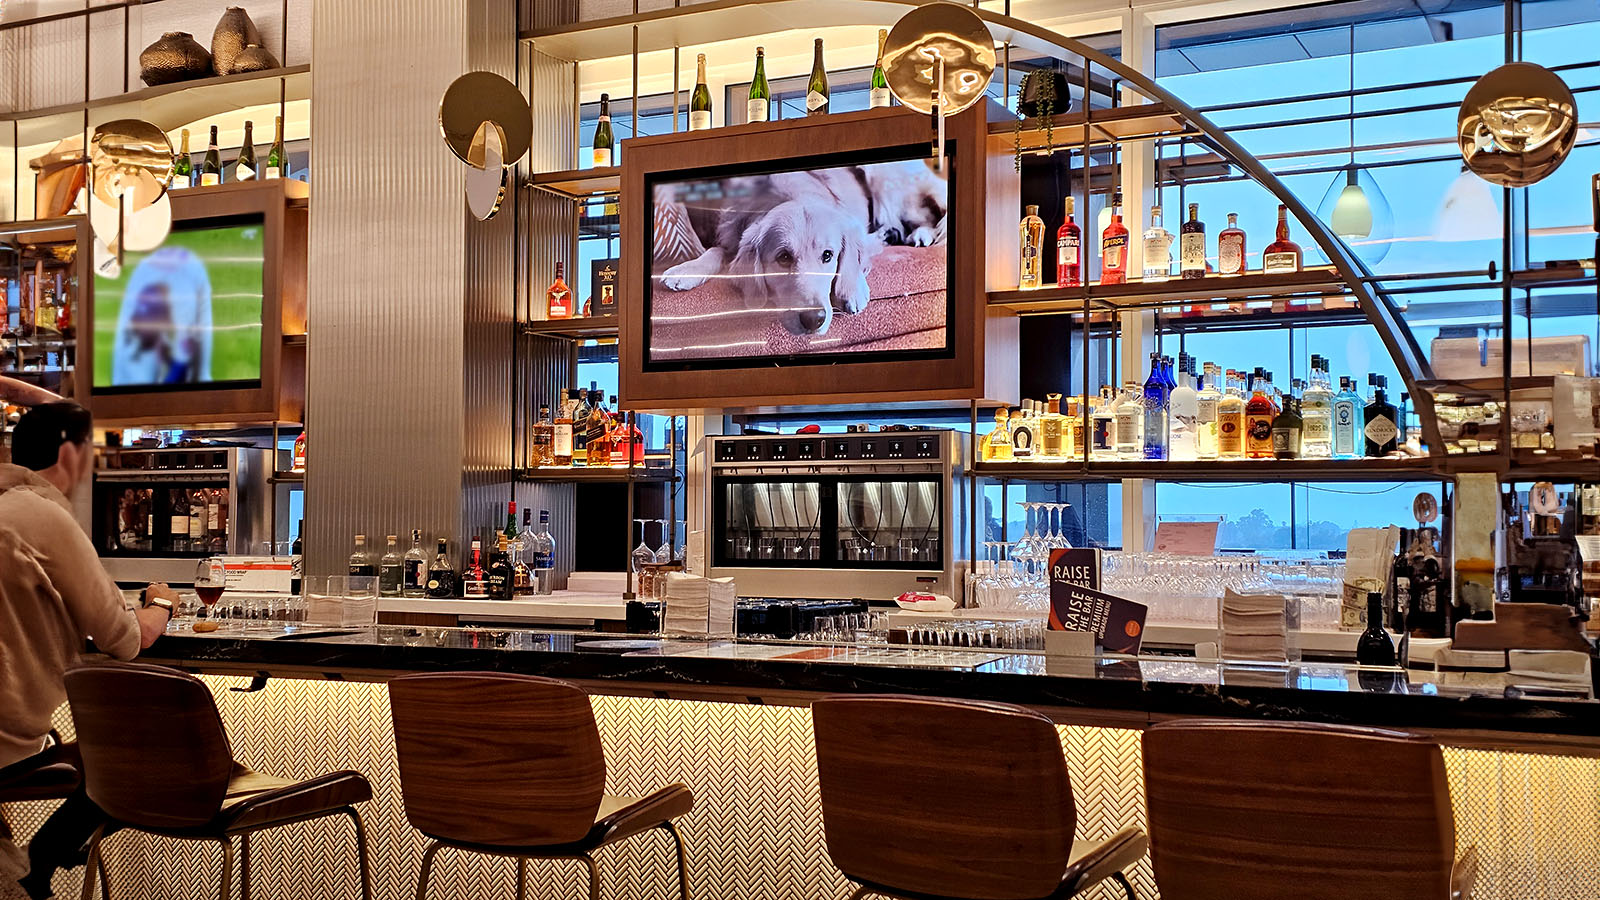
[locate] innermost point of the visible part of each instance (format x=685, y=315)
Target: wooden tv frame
x=282, y=204
x=984, y=364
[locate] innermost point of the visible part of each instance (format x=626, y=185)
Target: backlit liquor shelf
x=576, y=328
x=1226, y=470
x=1312, y=288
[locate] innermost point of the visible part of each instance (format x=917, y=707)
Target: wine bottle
x=245, y=168
x=817, y=88
x=211, y=166
x=760, y=104
x=602, y=134
x=277, y=158
x=1375, y=647
x=700, y=100
x=878, y=89
x=182, y=165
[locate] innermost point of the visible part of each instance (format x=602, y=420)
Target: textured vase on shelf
x=234, y=33
x=253, y=58
x=175, y=56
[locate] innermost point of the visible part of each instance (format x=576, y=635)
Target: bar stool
x=1261, y=810
x=55, y=779
x=927, y=798
x=156, y=759
x=531, y=787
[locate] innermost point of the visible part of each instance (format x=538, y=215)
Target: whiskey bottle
x=759, y=106
x=558, y=298
x=597, y=431
x=211, y=166
x=561, y=443
x=1380, y=429
x=361, y=564
x=474, y=582
x=997, y=446
x=1184, y=410
x=817, y=87
x=544, y=439
x=1230, y=248
x=182, y=165
x=1282, y=255
x=441, y=575
x=277, y=157
x=391, y=571
x=580, y=426
x=1032, y=248
x=1258, y=416
x=244, y=168
x=1069, y=240
x=1349, y=421
x=1052, y=429
x=603, y=139
x=1207, y=400
x=1286, y=430
x=1316, y=413
x=498, y=573
x=878, y=87
x=700, y=100
x=1192, y=245
x=1130, y=422
x=1114, y=246
x=414, y=568
x=1157, y=253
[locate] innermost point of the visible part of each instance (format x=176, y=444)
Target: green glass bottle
x=817, y=88
x=700, y=100
x=878, y=90
x=245, y=168
x=602, y=135
x=760, y=108
x=182, y=165
x=211, y=166
x=277, y=159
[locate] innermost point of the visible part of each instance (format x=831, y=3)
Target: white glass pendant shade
x=1468, y=211
x=1356, y=210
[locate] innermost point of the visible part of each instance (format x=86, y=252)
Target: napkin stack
x=1253, y=627
x=696, y=605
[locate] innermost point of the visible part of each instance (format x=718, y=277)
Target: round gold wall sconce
x=487, y=124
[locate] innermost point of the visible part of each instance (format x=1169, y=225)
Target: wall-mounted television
x=187, y=315
x=829, y=259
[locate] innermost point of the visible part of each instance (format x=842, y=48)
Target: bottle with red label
x=1114, y=246
x=559, y=296
x=1069, y=240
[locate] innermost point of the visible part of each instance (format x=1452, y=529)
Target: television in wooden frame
x=980, y=362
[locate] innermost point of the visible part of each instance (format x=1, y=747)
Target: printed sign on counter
x=258, y=574
x=1116, y=623
x=1076, y=565
x=1187, y=538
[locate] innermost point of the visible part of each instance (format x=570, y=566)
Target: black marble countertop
x=1108, y=690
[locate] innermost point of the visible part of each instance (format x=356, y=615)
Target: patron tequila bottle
x=997, y=446
x=1032, y=247
x=1157, y=254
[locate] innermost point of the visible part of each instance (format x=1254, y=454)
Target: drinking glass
x=642, y=555
x=210, y=579
x=663, y=552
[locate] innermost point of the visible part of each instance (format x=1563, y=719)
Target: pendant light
x=1353, y=205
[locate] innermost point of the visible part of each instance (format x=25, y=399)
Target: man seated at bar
x=54, y=595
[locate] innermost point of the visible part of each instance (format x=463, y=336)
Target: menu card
x=1187, y=538
x=1116, y=623
x=1076, y=565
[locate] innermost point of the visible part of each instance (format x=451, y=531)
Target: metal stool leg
x=227, y=870
x=522, y=878
x=361, y=854
x=244, y=866
x=683, y=863
x=92, y=866
x=427, y=866
x=594, y=877
x=1127, y=888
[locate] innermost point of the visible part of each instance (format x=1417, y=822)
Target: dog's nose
x=812, y=320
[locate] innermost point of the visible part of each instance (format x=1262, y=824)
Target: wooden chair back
x=155, y=754
x=944, y=797
x=498, y=759
x=1260, y=811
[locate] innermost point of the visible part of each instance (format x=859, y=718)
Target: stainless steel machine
x=865, y=515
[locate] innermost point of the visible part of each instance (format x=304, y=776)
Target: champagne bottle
x=211, y=166
x=817, y=89
x=277, y=159
x=182, y=165
x=245, y=168
x=602, y=134
x=760, y=107
x=878, y=90
x=700, y=100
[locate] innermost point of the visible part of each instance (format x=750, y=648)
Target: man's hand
x=162, y=591
x=153, y=619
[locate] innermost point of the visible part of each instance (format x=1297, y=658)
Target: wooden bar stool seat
x=1267, y=810
x=531, y=786
x=156, y=759
x=930, y=799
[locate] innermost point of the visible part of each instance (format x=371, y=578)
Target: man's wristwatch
x=162, y=602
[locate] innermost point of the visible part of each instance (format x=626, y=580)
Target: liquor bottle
x=1282, y=255
x=1348, y=421
x=178, y=521
x=544, y=438
x=498, y=572
x=1375, y=647
x=391, y=571
x=1114, y=246
x=510, y=531
x=198, y=541
x=244, y=169
x=1258, y=416
x=277, y=157
x=1157, y=251
x=1207, y=401
x=297, y=559
x=598, y=430
x=1192, y=245
x=441, y=575
x=1400, y=582
x=1184, y=408
x=361, y=563
x=1379, y=425
x=1023, y=428
x=1103, y=425
x=817, y=87
x=44, y=312
x=1156, y=398
x=603, y=139
x=1069, y=240
x=1072, y=430
x=1052, y=429
x=561, y=440
x=1287, y=427
x=1231, y=425
x=878, y=88
x=414, y=568
x=627, y=441
x=580, y=426
x=1130, y=422
x=759, y=107
x=1316, y=413
x=1230, y=248
x=542, y=558
x=700, y=100
x=558, y=298
x=297, y=460
x=211, y=166
x=997, y=446
x=1032, y=249
x=182, y=165
x=474, y=582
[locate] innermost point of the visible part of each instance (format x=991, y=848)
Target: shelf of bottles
x=583, y=438
x=498, y=563
x=38, y=290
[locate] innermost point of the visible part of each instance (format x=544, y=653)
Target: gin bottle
x=1316, y=413
x=1349, y=421
x=1380, y=429
x=1157, y=249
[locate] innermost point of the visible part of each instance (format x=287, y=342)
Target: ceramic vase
x=234, y=32
x=176, y=56
x=253, y=58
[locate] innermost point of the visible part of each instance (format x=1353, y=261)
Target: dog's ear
x=850, y=291
x=747, y=269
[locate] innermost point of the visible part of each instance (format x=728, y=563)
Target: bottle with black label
x=414, y=568
x=1286, y=429
x=391, y=574
x=441, y=575
x=499, y=574
x=361, y=564
x=1400, y=619
x=1381, y=431
x=297, y=559
x=1192, y=245
x=474, y=581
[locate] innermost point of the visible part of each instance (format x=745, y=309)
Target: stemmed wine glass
x=642, y=555
x=663, y=552
x=210, y=579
